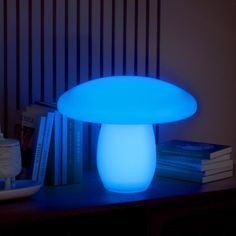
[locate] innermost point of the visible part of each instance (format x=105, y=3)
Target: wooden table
x=167, y=207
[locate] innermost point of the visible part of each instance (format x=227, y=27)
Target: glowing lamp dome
x=127, y=100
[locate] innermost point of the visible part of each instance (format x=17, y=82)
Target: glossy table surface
x=90, y=196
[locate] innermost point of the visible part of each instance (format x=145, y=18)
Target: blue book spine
x=70, y=147
x=64, y=149
x=176, y=174
x=57, y=148
x=193, y=149
x=46, y=145
x=78, y=152
x=38, y=149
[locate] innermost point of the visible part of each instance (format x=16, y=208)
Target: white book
x=46, y=145
x=38, y=149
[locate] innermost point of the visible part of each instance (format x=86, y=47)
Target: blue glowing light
x=127, y=106
x=126, y=157
x=127, y=100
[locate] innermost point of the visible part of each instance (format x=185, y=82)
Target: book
x=193, y=149
x=78, y=152
x=64, y=150
x=194, y=166
x=27, y=132
x=65, y=154
x=55, y=156
x=195, y=171
x=190, y=160
x=63, y=159
x=192, y=176
x=75, y=151
x=45, y=147
x=38, y=150
x=53, y=174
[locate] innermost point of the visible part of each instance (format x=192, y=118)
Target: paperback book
x=39, y=147
x=194, y=161
x=192, y=176
x=191, y=160
x=193, y=149
x=65, y=165
x=54, y=165
x=45, y=148
x=196, y=166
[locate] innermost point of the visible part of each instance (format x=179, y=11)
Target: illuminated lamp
x=127, y=106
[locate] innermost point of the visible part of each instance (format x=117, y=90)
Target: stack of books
x=194, y=161
x=51, y=145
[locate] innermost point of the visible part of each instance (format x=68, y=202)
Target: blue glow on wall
x=127, y=106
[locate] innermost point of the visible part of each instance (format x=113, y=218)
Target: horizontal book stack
x=194, y=161
x=53, y=145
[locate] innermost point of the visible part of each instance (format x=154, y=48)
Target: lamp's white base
x=126, y=157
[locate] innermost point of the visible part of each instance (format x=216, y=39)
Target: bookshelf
x=72, y=209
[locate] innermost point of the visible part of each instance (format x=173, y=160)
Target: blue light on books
x=127, y=106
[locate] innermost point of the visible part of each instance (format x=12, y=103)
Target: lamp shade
x=127, y=100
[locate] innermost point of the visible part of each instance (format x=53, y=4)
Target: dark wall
x=198, y=53
x=49, y=46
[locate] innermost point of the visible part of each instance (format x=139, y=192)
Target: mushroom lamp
x=127, y=106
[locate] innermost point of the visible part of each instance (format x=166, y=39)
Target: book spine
x=64, y=149
x=165, y=172
x=217, y=165
x=180, y=158
x=46, y=145
x=221, y=152
x=218, y=170
x=70, y=147
x=215, y=177
x=50, y=173
x=78, y=152
x=193, y=166
x=184, y=153
x=57, y=148
x=38, y=149
x=28, y=140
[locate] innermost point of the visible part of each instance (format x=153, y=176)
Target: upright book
x=38, y=150
x=65, y=165
x=45, y=147
x=28, y=132
x=193, y=149
x=197, y=166
x=193, y=176
x=53, y=175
